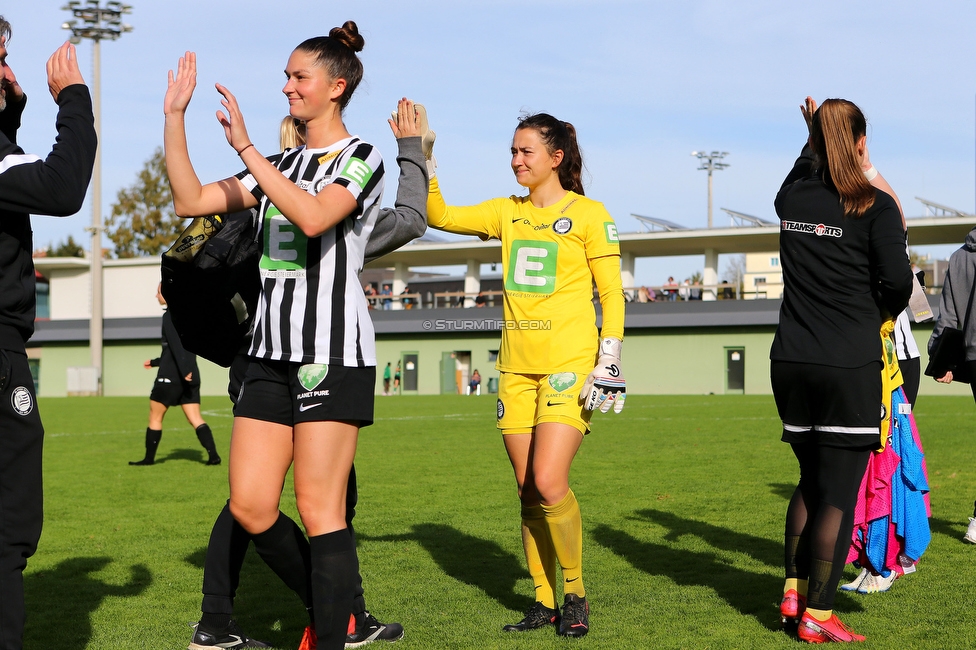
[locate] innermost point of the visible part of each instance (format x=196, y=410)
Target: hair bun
x=349, y=36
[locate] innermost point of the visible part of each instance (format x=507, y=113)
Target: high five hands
x=62, y=71
x=179, y=92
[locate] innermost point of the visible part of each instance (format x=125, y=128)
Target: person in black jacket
x=177, y=382
x=845, y=267
x=54, y=186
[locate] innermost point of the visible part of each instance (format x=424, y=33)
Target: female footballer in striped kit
x=309, y=386
x=556, y=244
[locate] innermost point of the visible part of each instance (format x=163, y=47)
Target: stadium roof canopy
x=922, y=231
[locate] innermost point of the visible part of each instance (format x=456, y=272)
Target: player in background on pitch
x=177, y=383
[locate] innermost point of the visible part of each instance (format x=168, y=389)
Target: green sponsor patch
x=562, y=381
x=311, y=375
x=610, y=229
x=357, y=171
x=285, y=245
x=532, y=266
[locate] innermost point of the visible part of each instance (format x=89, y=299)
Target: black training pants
x=21, y=497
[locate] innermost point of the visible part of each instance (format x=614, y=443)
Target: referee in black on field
x=55, y=186
x=177, y=382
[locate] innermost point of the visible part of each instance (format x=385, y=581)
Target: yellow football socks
x=800, y=586
x=820, y=614
x=566, y=530
x=539, y=554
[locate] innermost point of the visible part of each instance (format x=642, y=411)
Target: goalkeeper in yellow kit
x=555, y=367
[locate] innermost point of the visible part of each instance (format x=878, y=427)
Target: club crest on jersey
x=818, y=229
x=22, y=401
x=562, y=381
x=562, y=225
x=501, y=410
x=312, y=374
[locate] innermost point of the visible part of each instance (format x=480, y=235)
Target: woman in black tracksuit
x=842, y=246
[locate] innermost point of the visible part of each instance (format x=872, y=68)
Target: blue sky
x=644, y=82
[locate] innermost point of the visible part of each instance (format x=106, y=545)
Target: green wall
x=430, y=349
x=122, y=372
x=675, y=361
x=692, y=361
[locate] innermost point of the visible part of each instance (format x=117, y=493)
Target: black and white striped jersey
x=312, y=307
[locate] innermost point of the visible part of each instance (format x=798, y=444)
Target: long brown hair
x=835, y=129
x=559, y=135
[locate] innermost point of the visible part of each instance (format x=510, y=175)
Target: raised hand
x=233, y=121
x=405, y=122
x=62, y=70
x=179, y=88
x=808, y=108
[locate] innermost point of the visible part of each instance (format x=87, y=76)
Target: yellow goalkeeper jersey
x=550, y=258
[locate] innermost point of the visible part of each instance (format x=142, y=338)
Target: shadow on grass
x=265, y=608
x=951, y=529
x=196, y=455
x=759, y=548
x=60, y=601
x=471, y=560
x=783, y=490
x=752, y=594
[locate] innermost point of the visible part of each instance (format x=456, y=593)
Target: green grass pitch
x=683, y=502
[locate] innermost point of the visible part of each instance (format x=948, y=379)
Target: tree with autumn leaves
x=143, y=221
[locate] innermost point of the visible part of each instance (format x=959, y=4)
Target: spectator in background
x=371, y=294
x=396, y=380
x=685, y=291
x=387, y=373
x=386, y=293
x=405, y=299
x=481, y=301
x=671, y=289
x=475, y=382
x=642, y=295
x=727, y=293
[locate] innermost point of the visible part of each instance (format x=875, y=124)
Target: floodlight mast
x=710, y=162
x=96, y=23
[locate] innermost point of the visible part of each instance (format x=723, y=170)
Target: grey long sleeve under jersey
x=408, y=219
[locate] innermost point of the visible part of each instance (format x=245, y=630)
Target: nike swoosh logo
x=556, y=404
x=304, y=407
x=572, y=580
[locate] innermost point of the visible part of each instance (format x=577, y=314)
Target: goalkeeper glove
x=605, y=386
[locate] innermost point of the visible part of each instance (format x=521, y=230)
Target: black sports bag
x=211, y=284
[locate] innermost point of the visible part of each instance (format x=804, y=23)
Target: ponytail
x=836, y=127
x=559, y=136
